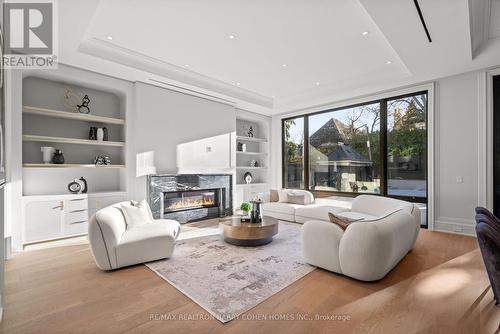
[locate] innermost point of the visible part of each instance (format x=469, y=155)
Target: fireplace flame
x=184, y=203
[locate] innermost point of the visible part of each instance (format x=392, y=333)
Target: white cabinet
x=58, y=216
x=45, y=220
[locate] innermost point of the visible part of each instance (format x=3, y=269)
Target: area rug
x=228, y=280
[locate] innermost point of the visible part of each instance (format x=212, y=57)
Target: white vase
x=100, y=134
x=47, y=153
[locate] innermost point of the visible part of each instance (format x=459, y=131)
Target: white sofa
x=367, y=250
x=316, y=210
x=113, y=246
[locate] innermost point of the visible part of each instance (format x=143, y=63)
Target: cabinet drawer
x=76, y=204
x=76, y=216
x=76, y=227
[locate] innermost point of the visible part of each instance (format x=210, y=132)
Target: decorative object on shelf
x=84, y=107
x=246, y=208
x=78, y=186
x=256, y=214
x=101, y=160
x=58, y=157
x=106, y=134
x=71, y=99
x=250, y=131
x=248, y=177
x=47, y=154
x=243, y=147
x=239, y=147
x=100, y=134
x=254, y=163
x=93, y=133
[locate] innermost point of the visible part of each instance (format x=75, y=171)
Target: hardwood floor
x=60, y=290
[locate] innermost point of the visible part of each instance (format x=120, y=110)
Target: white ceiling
x=321, y=42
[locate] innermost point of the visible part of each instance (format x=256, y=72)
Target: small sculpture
x=102, y=160
x=248, y=177
x=250, y=131
x=84, y=107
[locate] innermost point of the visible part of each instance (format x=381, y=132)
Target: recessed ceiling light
x=231, y=36
x=110, y=37
x=237, y=84
x=389, y=62
x=273, y=96
x=364, y=33
x=283, y=65
x=186, y=65
x=317, y=83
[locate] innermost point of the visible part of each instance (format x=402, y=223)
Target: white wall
x=165, y=118
x=460, y=144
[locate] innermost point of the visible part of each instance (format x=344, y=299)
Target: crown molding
x=112, y=52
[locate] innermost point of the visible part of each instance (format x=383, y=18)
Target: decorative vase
x=47, y=153
x=93, y=133
x=243, y=147
x=106, y=134
x=100, y=134
x=256, y=215
x=58, y=157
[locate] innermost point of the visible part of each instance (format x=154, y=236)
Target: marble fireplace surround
x=160, y=183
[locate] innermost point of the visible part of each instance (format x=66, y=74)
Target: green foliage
x=406, y=142
x=245, y=206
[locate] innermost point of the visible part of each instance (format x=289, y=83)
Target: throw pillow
x=282, y=195
x=342, y=222
x=136, y=214
x=273, y=195
x=297, y=199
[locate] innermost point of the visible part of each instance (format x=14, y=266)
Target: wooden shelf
x=32, y=165
x=250, y=153
x=77, y=141
x=251, y=139
x=72, y=115
x=251, y=184
x=245, y=167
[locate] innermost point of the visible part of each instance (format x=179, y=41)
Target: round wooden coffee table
x=247, y=234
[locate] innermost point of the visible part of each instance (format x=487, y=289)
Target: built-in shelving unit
x=252, y=148
x=72, y=115
x=50, y=118
x=48, y=139
x=31, y=165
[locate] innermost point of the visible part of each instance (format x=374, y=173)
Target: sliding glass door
x=377, y=148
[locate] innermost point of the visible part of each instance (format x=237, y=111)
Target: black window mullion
x=306, y=153
x=383, y=147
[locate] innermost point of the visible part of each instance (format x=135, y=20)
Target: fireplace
x=182, y=200
x=190, y=197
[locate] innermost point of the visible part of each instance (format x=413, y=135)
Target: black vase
x=58, y=157
x=93, y=133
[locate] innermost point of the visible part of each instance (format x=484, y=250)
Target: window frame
x=383, y=149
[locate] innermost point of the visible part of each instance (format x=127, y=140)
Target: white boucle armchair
x=113, y=246
x=367, y=250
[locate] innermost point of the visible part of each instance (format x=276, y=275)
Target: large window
x=293, y=152
x=378, y=148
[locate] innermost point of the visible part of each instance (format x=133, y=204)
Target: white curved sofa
x=113, y=246
x=367, y=250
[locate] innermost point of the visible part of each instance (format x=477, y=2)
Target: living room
x=304, y=166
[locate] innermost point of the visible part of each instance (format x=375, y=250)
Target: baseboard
x=455, y=226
